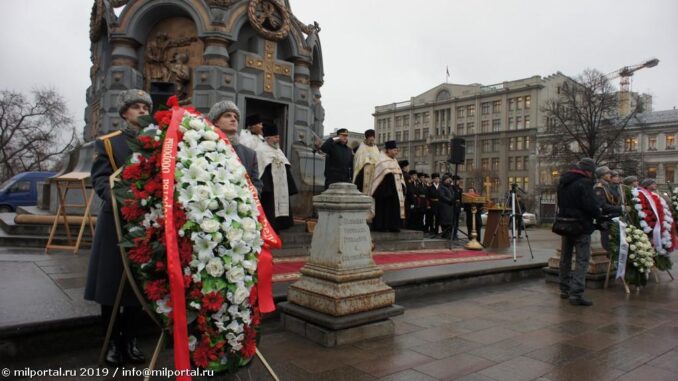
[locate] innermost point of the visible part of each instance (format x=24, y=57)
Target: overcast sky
x=383, y=51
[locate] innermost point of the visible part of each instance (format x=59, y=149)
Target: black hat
x=403, y=163
x=412, y=172
x=270, y=130
x=369, y=134
x=252, y=120
x=391, y=144
x=435, y=176
x=342, y=131
x=455, y=177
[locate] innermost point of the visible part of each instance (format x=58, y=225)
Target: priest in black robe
x=388, y=190
x=276, y=176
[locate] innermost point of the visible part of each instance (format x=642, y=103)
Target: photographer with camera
x=577, y=208
x=608, y=201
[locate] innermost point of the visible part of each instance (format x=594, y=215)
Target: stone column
x=340, y=297
x=216, y=51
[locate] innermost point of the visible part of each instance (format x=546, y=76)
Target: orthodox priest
x=278, y=184
x=388, y=190
x=250, y=136
x=366, y=157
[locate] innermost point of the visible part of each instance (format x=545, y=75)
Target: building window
x=511, y=126
x=469, y=164
x=519, y=103
x=496, y=107
x=526, y=118
x=510, y=163
x=519, y=122
x=511, y=180
x=398, y=136
x=495, y=145
x=528, y=102
x=470, y=147
x=486, y=145
x=484, y=126
x=495, y=163
x=406, y=135
x=669, y=173
x=460, y=112
x=511, y=103
x=460, y=128
x=496, y=125
x=486, y=108
x=512, y=144
x=527, y=142
x=399, y=121
x=519, y=164
x=670, y=142
x=526, y=184
x=426, y=118
x=417, y=134
x=470, y=128
x=406, y=120
x=417, y=119
x=652, y=172
x=630, y=144
x=471, y=110
x=652, y=143
x=424, y=134
x=485, y=164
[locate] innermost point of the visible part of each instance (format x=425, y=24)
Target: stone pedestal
x=340, y=297
x=596, y=272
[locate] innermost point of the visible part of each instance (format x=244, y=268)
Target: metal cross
x=268, y=65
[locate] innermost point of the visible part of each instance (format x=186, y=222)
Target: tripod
x=515, y=208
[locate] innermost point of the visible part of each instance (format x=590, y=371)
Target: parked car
x=529, y=219
x=21, y=190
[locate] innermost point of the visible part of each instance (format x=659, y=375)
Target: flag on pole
x=447, y=70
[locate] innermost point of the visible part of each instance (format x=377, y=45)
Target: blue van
x=21, y=190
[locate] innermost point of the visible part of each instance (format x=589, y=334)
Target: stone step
x=37, y=230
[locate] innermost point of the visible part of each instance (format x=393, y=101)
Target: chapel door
x=270, y=112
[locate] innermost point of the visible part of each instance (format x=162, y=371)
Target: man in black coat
x=576, y=200
x=445, y=206
x=339, y=160
x=105, y=264
x=432, y=213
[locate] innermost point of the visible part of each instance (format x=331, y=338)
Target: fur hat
x=628, y=180
x=587, y=164
x=369, y=134
x=130, y=97
x=602, y=171
x=220, y=108
x=403, y=163
x=647, y=182
x=391, y=144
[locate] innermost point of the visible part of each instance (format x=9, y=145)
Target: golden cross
x=268, y=65
x=487, y=183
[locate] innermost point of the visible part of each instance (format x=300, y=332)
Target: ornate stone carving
x=269, y=18
x=220, y=3
x=268, y=65
x=157, y=63
x=307, y=29
x=96, y=20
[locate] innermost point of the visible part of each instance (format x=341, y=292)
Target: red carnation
x=154, y=187
x=173, y=101
x=132, y=172
x=203, y=353
x=160, y=266
x=185, y=251
x=195, y=293
x=131, y=211
x=250, y=344
x=187, y=281
x=212, y=301
x=155, y=289
x=140, y=254
x=202, y=323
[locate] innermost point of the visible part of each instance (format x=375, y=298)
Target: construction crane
x=625, y=75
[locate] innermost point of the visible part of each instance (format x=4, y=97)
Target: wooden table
x=64, y=183
x=497, y=221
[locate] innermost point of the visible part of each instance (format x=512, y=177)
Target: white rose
x=236, y=274
x=215, y=267
x=208, y=145
x=234, y=235
x=213, y=205
x=243, y=208
x=201, y=192
x=196, y=124
x=191, y=136
x=632, y=256
x=240, y=295
x=249, y=236
x=210, y=226
x=633, y=247
x=251, y=266
x=211, y=135
x=249, y=225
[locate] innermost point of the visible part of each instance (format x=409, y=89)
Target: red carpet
x=287, y=269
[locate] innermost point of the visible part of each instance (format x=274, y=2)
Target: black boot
x=114, y=353
x=133, y=353
x=580, y=301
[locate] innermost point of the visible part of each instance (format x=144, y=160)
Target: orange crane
x=625, y=75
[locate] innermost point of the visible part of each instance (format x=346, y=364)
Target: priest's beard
x=233, y=138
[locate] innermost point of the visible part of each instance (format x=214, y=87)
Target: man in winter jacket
x=576, y=200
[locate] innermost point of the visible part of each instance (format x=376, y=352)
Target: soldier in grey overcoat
x=105, y=265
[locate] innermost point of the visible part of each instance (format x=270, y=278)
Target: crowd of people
x=591, y=197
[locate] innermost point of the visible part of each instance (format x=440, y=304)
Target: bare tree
x=584, y=121
x=34, y=133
